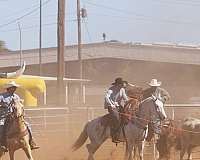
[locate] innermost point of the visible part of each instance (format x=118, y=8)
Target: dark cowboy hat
x=119, y=80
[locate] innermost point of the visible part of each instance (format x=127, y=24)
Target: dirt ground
x=61, y=132
x=55, y=145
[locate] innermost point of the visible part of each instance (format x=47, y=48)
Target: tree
x=3, y=46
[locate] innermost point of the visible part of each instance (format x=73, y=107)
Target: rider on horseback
x=160, y=96
x=7, y=100
x=115, y=98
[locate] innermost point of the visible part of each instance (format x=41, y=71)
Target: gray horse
x=134, y=132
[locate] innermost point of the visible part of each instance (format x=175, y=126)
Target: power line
x=25, y=15
x=20, y=11
x=36, y=26
x=148, y=19
x=141, y=16
x=178, y=2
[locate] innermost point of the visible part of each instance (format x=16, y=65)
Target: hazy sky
x=173, y=21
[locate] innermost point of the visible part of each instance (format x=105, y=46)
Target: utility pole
x=79, y=51
x=61, y=49
x=40, y=41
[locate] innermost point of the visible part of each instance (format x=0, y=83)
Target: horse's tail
x=81, y=139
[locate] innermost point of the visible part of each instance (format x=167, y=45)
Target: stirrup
x=34, y=147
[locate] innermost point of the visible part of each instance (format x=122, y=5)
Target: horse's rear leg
x=92, y=148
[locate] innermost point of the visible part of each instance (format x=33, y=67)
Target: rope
x=175, y=128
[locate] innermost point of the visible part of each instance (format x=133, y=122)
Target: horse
x=17, y=136
x=134, y=131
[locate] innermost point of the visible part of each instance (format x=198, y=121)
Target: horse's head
x=150, y=112
x=17, y=110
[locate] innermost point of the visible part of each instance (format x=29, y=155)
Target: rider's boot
x=115, y=135
x=3, y=141
x=33, y=145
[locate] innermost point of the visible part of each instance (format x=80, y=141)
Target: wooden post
x=66, y=94
x=61, y=49
x=79, y=52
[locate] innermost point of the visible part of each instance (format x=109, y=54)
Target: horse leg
x=141, y=150
x=1, y=155
x=189, y=151
x=26, y=147
x=11, y=154
x=182, y=152
x=27, y=150
x=134, y=152
x=129, y=150
x=92, y=148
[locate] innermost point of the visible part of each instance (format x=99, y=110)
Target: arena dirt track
x=55, y=144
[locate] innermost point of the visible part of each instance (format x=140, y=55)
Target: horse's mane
x=135, y=92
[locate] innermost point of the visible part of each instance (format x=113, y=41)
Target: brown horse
x=17, y=134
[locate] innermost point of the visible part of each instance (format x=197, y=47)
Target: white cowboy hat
x=11, y=84
x=154, y=82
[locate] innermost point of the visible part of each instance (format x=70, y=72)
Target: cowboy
x=114, y=99
x=7, y=100
x=160, y=96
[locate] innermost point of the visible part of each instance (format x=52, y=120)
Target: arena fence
x=64, y=119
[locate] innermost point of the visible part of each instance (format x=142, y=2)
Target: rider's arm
x=1, y=100
x=108, y=99
x=123, y=94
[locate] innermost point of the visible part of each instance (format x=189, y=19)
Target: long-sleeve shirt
x=115, y=96
x=6, y=98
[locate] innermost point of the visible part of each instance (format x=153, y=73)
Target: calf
x=169, y=140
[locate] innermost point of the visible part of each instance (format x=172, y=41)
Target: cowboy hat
x=154, y=82
x=119, y=80
x=11, y=84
